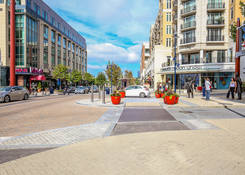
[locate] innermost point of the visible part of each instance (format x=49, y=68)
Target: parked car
x=14, y=93
x=137, y=91
x=71, y=89
x=81, y=90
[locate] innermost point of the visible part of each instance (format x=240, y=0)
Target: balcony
x=216, y=6
x=189, y=40
x=188, y=26
x=188, y=11
x=216, y=23
x=215, y=38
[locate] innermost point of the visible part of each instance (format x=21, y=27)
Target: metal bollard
x=92, y=94
x=103, y=95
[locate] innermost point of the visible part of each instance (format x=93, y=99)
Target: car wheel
x=26, y=96
x=142, y=95
x=7, y=99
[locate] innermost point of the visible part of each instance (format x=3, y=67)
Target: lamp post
x=12, y=43
x=175, y=62
x=111, y=78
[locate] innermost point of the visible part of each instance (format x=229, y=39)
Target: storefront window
x=20, y=35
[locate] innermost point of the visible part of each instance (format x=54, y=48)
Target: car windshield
x=81, y=87
x=5, y=89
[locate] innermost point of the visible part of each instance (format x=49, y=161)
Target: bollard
x=103, y=95
x=92, y=93
x=99, y=92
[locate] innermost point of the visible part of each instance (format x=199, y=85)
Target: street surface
x=140, y=136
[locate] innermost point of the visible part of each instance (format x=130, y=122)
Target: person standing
x=208, y=88
x=239, y=86
x=232, y=88
x=189, y=87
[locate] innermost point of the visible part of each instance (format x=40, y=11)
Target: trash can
x=107, y=91
x=51, y=90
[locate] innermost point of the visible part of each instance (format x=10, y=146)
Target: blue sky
x=114, y=29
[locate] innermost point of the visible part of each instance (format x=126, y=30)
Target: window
x=168, y=16
x=189, y=36
x=208, y=57
x=1, y=1
x=215, y=35
x=168, y=42
x=221, y=56
x=168, y=29
x=168, y=60
x=232, y=13
x=53, y=36
x=168, y=4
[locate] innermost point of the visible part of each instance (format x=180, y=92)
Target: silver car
x=14, y=93
x=81, y=90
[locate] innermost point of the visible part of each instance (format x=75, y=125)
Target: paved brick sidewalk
x=202, y=152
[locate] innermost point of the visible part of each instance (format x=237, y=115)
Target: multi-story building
x=145, y=56
x=236, y=12
x=160, y=43
x=43, y=40
x=203, y=43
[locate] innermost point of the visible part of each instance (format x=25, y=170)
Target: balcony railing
x=215, y=22
x=216, y=5
x=215, y=38
x=188, y=25
x=188, y=40
x=188, y=9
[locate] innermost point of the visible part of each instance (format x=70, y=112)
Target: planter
x=158, y=95
x=115, y=100
x=171, y=101
x=39, y=90
x=122, y=94
x=199, y=88
x=162, y=95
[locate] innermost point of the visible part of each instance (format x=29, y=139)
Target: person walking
x=66, y=90
x=232, y=88
x=190, y=89
x=238, y=86
x=207, y=88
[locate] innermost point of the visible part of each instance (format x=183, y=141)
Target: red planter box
x=158, y=95
x=122, y=94
x=162, y=94
x=115, y=100
x=172, y=101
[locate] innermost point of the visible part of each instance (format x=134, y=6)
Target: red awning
x=38, y=78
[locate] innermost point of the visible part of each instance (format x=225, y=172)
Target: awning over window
x=38, y=78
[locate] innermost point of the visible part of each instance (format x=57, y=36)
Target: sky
x=114, y=29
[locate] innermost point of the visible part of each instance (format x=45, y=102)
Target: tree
x=137, y=81
x=74, y=77
x=60, y=72
x=100, y=79
x=233, y=28
x=116, y=73
x=88, y=78
x=129, y=75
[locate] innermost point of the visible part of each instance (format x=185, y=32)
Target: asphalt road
x=45, y=113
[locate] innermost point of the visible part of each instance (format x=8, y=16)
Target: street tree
x=114, y=73
x=100, y=79
x=60, y=72
x=129, y=76
x=75, y=76
x=88, y=78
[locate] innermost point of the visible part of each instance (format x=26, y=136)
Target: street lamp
x=111, y=78
x=175, y=62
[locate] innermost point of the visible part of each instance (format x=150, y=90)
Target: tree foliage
x=100, y=79
x=88, y=78
x=116, y=73
x=74, y=77
x=60, y=72
x=129, y=76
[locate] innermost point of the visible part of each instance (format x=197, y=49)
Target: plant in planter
x=116, y=98
x=39, y=87
x=158, y=94
x=122, y=92
x=171, y=98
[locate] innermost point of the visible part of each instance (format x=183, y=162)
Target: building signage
x=30, y=70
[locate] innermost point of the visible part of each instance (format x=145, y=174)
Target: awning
x=38, y=78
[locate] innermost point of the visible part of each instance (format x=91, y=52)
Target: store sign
x=190, y=68
x=30, y=70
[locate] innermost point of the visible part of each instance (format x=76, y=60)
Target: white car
x=137, y=91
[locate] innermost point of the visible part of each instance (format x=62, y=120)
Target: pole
x=175, y=62
x=12, y=43
x=103, y=94
x=92, y=93
x=237, y=68
x=111, y=78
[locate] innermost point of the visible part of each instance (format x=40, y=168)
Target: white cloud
x=108, y=51
x=90, y=66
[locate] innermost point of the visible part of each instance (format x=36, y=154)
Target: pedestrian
x=66, y=90
x=207, y=88
x=232, y=88
x=239, y=86
x=189, y=87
